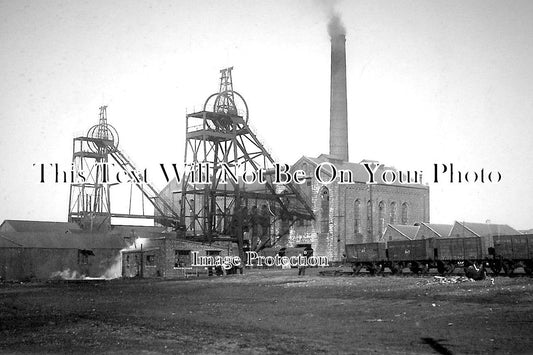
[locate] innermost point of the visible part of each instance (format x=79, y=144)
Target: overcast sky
x=428, y=82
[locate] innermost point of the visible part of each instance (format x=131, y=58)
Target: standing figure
x=302, y=262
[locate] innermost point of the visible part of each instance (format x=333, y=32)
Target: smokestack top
x=336, y=27
x=338, y=121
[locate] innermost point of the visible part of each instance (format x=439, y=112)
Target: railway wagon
x=449, y=252
x=511, y=252
x=366, y=255
x=505, y=253
x=414, y=254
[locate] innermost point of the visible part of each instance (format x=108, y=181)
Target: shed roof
x=38, y=226
x=51, y=240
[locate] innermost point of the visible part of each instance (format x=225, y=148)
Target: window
x=405, y=208
x=212, y=252
x=392, y=219
x=324, y=210
x=381, y=218
x=150, y=260
x=182, y=258
x=83, y=256
x=369, y=218
x=357, y=216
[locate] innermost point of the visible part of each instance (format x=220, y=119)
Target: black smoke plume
x=335, y=26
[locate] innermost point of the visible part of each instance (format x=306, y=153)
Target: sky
x=429, y=82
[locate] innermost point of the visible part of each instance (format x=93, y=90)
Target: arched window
x=381, y=218
x=369, y=218
x=324, y=210
x=392, y=219
x=306, y=188
x=304, y=168
x=357, y=216
x=405, y=212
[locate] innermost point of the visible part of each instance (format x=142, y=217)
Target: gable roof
x=360, y=173
x=5, y=242
x=442, y=230
x=408, y=231
x=13, y=225
x=488, y=229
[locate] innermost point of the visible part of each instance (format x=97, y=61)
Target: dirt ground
x=269, y=311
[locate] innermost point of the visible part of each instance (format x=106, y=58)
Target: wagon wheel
x=449, y=268
x=381, y=269
x=508, y=267
x=356, y=268
x=424, y=268
x=395, y=268
x=528, y=267
x=414, y=267
x=496, y=266
x=441, y=267
x=372, y=268
x=401, y=266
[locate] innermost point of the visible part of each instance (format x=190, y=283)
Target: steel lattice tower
x=215, y=207
x=90, y=201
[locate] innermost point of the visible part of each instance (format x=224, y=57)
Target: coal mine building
x=33, y=250
x=170, y=257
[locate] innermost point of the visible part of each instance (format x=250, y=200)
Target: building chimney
x=338, y=114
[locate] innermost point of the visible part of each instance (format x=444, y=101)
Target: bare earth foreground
x=269, y=311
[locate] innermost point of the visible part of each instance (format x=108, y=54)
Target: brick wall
x=169, y=256
x=341, y=228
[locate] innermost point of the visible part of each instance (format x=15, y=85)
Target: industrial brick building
x=168, y=256
x=357, y=212
x=340, y=213
x=39, y=250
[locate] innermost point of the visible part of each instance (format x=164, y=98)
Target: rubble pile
x=446, y=280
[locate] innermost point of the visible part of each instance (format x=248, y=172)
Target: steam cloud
x=335, y=26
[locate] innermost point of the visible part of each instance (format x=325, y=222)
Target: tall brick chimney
x=338, y=114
